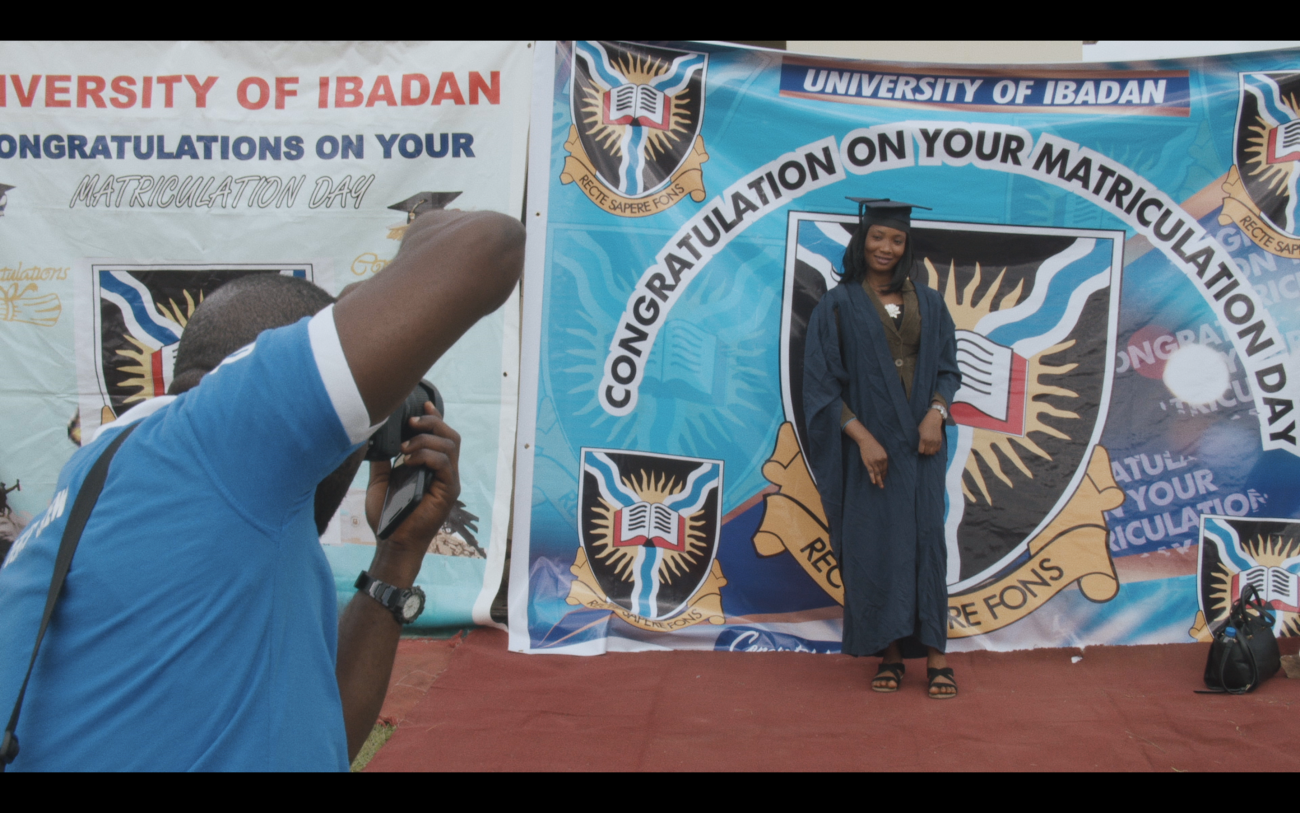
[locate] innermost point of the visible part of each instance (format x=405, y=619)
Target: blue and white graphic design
x=1241, y=552
x=650, y=526
x=140, y=313
x=632, y=113
x=1003, y=328
x=142, y=318
x=1275, y=145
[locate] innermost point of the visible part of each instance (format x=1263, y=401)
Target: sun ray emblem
x=609, y=547
x=1264, y=181
x=146, y=369
x=637, y=110
x=1263, y=151
x=140, y=313
x=1239, y=551
x=1035, y=311
x=1011, y=439
x=612, y=132
x=649, y=527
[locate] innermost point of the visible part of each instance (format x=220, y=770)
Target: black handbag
x=1244, y=652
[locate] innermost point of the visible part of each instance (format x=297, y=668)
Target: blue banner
x=1118, y=246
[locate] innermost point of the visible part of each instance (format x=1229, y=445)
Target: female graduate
x=880, y=369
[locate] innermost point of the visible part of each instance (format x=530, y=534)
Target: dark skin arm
x=874, y=456
x=453, y=269
x=368, y=632
x=931, y=430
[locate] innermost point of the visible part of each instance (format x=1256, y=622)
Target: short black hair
x=233, y=316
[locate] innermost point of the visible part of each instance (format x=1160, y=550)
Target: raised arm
x=453, y=269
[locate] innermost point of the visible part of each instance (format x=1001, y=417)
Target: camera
x=406, y=484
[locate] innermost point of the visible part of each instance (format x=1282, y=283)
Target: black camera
x=406, y=484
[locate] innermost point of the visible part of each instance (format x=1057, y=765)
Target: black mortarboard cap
x=886, y=212
x=4, y=187
x=422, y=202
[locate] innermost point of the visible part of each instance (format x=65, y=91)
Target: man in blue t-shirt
x=197, y=628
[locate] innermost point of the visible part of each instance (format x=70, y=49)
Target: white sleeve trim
x=337, y=375
x=135, y=413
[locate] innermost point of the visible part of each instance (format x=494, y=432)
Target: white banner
x=136, y=178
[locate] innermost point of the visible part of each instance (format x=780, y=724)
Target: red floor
x=468, y=704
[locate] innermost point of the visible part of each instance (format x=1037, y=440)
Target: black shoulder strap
x=81, y=508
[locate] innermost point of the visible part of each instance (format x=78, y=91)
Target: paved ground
x=468, y=704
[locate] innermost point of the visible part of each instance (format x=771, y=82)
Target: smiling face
x=884, y=248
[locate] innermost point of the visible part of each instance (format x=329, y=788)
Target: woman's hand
x=875, y=458
x=873, y=454
x=931, y=430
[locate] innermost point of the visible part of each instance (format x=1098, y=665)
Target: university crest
x=634, y=146
x=648, y=527
x=1240, y=551
x=1261, y=190
x=139, y=315
x=1027, y=483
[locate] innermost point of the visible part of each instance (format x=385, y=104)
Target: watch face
x=411, y=607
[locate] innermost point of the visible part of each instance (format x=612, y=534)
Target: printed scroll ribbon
x=1201, y=629
x=1073, y=548
x=29, y=305
x=1240, y=209
x=793, y=517
x=704, y=606
x=689, y=180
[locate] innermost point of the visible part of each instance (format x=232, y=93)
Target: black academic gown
x=890, y=541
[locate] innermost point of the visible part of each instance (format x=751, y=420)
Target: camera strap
x=81, y=508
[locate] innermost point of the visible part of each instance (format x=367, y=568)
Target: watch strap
x=393, y=598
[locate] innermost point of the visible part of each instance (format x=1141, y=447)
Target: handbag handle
x=1250, y=599
x=81, y=508
x=1240, y=618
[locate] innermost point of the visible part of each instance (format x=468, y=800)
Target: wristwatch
x=405, y=605
x=941, y=409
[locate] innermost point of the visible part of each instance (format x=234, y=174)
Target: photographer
x=197, y=627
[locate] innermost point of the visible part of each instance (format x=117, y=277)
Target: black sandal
x=889, y=671
x=934, y=675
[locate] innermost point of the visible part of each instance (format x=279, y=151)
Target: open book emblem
x=992, y=394
x=1284, y=143
x=1261, y=186
x=635, y=147
x=1240, y=551
x=638, y=105
x=649, y=527
x=645, y=524
x=1276, y=586
x=1036, y=313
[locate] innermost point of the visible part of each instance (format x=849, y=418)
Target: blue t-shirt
x=197, y=629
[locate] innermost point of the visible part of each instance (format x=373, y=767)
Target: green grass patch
x=378, y=736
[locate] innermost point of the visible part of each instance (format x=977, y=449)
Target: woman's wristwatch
x=941, y=409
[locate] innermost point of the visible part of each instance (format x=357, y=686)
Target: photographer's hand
x=437, y=448
x=368, y=633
